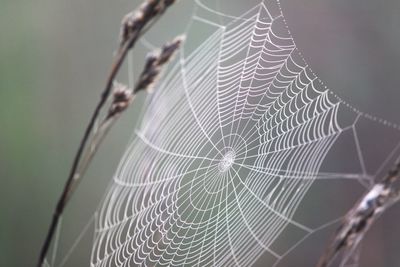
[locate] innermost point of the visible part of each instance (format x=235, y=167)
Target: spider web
x=230, y=143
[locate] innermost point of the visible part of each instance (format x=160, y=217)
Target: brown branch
x=133, y=26
x=362, y=216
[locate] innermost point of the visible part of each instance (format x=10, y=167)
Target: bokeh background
x=54, y=58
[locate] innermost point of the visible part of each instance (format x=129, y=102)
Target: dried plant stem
x=74, y=176
x=134, y=24
x=361, y=217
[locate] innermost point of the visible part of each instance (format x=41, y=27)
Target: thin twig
x=124, y=96
x=132, y=28
x=362, y=216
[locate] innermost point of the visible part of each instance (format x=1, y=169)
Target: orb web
x=229, y=144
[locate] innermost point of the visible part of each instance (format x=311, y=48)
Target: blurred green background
x=54, y=58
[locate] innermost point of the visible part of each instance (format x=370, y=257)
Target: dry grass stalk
x=134, y=22
x=362, y=216
x=154, y=64
x=123, y=96
x=133, y=26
